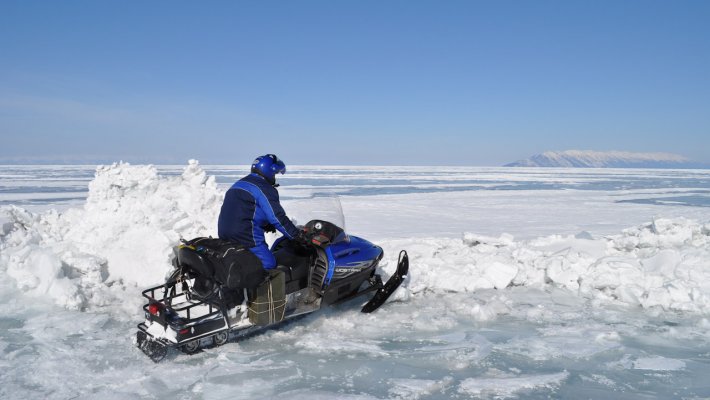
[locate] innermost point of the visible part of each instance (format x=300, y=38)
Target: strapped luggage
x=267, y=303
x=222, y=262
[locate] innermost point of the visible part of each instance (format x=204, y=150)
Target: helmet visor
x=279, y=166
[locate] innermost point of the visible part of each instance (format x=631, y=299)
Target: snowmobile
x=203, y=303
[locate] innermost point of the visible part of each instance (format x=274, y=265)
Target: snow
x=527, y=292
x=122, y=237
x=663, y=264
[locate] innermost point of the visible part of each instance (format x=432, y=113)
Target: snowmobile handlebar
x=320, y=233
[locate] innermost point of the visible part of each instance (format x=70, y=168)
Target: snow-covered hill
x=606, y=159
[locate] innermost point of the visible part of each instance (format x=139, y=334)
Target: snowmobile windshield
x=322, y=207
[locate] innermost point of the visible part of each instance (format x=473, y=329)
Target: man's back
x=249, y=206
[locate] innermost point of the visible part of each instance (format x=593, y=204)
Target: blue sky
x=360, y=82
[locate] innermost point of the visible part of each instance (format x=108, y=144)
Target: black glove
x=269, y=228
x=302, y=239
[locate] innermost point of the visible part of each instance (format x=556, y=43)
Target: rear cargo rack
x=177, y=307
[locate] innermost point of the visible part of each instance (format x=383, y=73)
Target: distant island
x=606, y=159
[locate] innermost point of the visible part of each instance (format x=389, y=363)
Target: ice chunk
x=508, y=385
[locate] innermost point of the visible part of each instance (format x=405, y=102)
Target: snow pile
x=121, y=238
x=660, y=265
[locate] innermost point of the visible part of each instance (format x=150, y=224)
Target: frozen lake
x=524, y=283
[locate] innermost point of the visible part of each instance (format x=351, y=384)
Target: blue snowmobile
x=205, y=302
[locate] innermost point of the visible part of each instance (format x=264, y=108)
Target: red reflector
x=154, y=309
x=184, y=331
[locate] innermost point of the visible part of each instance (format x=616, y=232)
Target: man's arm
x=276, y=215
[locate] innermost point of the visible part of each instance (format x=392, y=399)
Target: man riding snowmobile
x=213, y=278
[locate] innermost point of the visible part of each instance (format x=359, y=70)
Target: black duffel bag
x=225, y=263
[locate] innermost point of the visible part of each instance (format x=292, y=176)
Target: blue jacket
x=249, y=206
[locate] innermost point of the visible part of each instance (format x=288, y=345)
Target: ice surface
x=506, y=385
x=659, y=364
x=524, y=293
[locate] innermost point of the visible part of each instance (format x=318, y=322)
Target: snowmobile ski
x=392, y=284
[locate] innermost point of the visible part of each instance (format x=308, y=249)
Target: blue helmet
x=268, y=166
